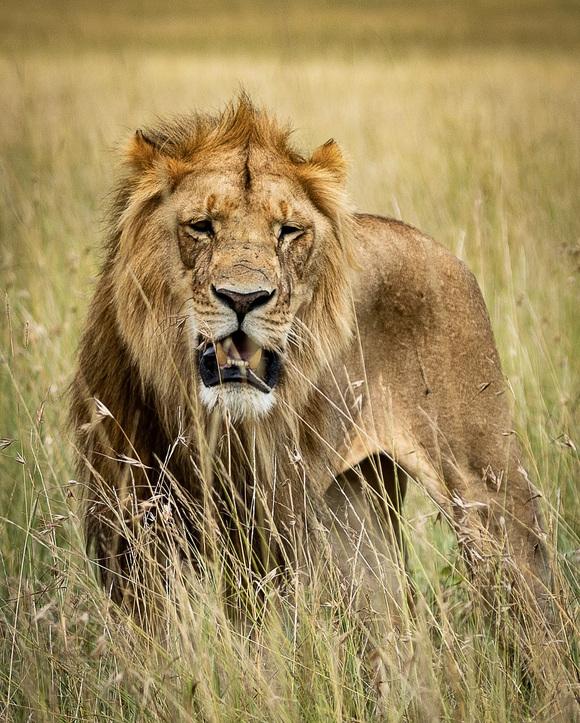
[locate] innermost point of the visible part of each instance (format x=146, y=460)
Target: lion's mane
x=141, y=432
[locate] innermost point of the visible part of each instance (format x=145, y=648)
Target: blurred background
x=461, y=117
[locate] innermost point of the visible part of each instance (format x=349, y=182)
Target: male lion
x=259, y=351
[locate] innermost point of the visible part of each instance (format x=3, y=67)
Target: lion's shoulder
x=397, y=258
x=387, y=238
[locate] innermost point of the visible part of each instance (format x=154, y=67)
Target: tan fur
x=386, y=345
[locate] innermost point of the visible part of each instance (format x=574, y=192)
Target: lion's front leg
x=368, y=552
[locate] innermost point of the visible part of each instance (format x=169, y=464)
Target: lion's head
x=231, y=256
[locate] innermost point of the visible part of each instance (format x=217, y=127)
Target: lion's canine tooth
x=220, y=354
x=260, y=369
x=254, y=360
x=226, y=343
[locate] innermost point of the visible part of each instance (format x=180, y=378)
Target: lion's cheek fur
x=323, y=325
x=147, y=313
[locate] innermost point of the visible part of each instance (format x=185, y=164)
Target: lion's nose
x=242, y=304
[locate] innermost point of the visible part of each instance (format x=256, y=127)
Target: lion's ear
x=142, y=151
x=329, y=156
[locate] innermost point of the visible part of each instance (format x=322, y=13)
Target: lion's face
x=246, y=263
x=237, y=249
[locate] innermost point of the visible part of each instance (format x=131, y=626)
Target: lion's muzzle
x=238, y=359
x=243, y=303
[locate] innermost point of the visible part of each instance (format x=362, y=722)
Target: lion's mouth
x=237, y=358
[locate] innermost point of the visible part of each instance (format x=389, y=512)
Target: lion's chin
x=240, y=400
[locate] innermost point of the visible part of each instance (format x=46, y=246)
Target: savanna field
x=461, y=118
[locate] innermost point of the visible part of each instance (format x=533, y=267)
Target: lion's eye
x=203, y=227
x=289, y=232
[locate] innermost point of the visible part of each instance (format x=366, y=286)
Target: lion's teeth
x=260, y=369
x=255, y=359
x=228, y=355
x=220, y=354
x=237, y=363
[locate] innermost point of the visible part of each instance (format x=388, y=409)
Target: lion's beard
x=240, y=401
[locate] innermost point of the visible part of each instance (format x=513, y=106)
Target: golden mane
x=238, y=125
x=146, y=387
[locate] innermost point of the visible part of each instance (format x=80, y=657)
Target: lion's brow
x=247, y=175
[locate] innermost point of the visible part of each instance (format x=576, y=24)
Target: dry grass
x=465, y=125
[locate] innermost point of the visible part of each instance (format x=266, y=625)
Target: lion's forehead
x=228, y=194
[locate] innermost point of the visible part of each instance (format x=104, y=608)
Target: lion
x=252, y=336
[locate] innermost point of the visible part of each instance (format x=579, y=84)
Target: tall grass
x=476, y=142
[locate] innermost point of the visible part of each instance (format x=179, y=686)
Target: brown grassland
x=461, y=118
